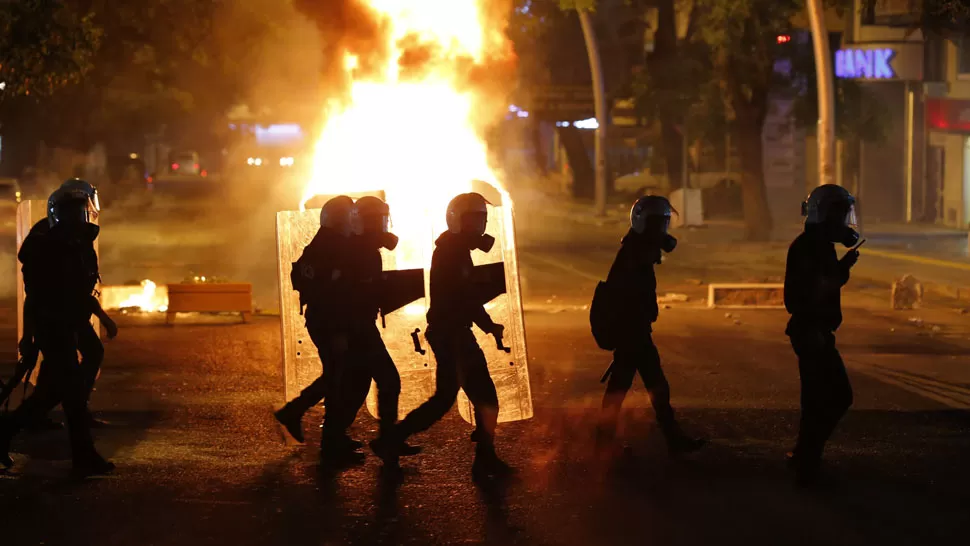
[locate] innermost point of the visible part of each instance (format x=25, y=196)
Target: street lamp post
x=826, y=93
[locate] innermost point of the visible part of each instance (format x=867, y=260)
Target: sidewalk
x=717, y=252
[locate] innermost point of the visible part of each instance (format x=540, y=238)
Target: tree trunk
x=673, y=144
x=665, y=49
x=754, y=198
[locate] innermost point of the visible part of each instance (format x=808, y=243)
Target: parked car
x=186, y=163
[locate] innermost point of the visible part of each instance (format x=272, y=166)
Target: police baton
x=607, y=373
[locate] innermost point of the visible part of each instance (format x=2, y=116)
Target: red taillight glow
x=204, y=173
x=175, y=166
x=783, y=38
x=195, y=166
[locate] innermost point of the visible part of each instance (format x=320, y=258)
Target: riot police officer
x=60, y=275
x=814, y=277
x=455, y=306
x=88, y=343
x=320, y=276
x=633, y=280
x=369, y=359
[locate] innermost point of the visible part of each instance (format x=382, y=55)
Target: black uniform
x=814, y=277
x=368, y=358
x=461, y=363
x=323, y=273
x=60, y=274
x=633, y=279
x=88, y=342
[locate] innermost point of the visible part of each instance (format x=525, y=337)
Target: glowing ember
x=148, y=300
x=412, y=125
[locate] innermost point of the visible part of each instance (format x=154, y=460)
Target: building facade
x=920, y=173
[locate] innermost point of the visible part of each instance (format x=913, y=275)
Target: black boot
x=683, y=444
x=806, y=469
x=94, y=465
x=488, y=465
x=292, y=421
x=44, y=424
x=5, y=438
x=338, y=449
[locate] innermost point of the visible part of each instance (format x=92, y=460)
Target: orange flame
x=412, y=125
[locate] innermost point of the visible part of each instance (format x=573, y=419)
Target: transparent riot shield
x=403, y=326
x=301, y=361
x=509, y=371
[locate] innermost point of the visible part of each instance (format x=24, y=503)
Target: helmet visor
x=474, y=222
x=850, y=218
x=373, y=223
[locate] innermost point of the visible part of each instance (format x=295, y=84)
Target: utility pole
x=826, y=93
x=599, y=98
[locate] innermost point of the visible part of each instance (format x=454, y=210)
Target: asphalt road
x=201, y=460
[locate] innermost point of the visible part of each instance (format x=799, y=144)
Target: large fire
x=412, y=126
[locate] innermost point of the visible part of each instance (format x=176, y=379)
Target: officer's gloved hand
x=26, y=345
x=850, y=258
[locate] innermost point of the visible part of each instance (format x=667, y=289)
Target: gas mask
x=380, y=240
x=668, y=243
x=849, y=237
x=843, y=230
x=484, y=242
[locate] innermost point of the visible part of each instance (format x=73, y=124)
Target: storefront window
x=963, y=57
x=891, y=12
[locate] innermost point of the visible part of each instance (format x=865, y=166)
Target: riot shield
x=401, y=316
x=509, y=370
x=301, y=361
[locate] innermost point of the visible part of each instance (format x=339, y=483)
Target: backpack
x=603, y=316
x=301, y=276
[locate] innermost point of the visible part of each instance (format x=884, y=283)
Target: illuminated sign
x=868, y=64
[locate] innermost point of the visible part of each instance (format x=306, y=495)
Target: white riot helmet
x=336, y=214
x=76, y=201
x=650, y=206
x=467, y=212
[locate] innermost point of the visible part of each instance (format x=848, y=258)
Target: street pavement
x=201, y=460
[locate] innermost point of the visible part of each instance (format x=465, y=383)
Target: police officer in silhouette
x=633, y=281
x=814, y=277
x=60, y=275
x=455, y=306
x=88, y=342
x=369, y=359
x=321, y=276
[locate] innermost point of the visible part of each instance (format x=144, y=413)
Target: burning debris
x=146, y=297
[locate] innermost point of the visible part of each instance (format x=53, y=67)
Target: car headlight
x=251, y=161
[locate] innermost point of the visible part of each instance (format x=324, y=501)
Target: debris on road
x=907, y=293
x=671, y=297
